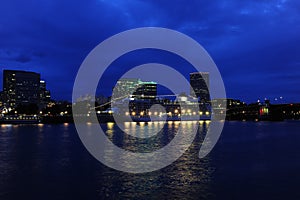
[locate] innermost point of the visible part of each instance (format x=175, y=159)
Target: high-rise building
x=199, y=82
x=136, y=88
x=125, y=87
x=45, y=96
x=1, y=98
x=21, y=87
x=146, y=90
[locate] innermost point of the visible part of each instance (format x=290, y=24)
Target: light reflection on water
x=50, y=162
x=188, y=175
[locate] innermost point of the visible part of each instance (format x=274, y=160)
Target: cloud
x=245, y=38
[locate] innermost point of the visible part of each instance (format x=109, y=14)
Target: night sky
x=255, y=44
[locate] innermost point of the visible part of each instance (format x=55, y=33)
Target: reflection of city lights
x=110, y=125
x=127, y=124
x=6, y=125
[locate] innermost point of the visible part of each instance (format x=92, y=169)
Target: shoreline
x=70, y=120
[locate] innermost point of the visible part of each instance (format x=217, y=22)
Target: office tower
x=132, y=87
x=125, y=87
x=1, y=98
x=44, y=94
x=146, y=90
x=21, y=87
x=199, y=82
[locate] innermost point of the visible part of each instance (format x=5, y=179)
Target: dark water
x=252, y=160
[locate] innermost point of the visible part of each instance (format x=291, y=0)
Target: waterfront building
x=146, y=90
x=199, y=82
x=24, y=88
x=1, y=98
x=21, y=87
x=134, y=88
x=45, y=95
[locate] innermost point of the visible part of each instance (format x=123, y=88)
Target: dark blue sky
x=255, y=44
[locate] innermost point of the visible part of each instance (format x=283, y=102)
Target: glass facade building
x=199, y=82
x=23, y=87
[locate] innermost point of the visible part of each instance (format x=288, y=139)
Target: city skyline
x=254, y=44
x=159, y=90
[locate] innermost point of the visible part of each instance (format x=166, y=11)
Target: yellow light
x=176, y=111
x=201, y=113
x=110, y=125
x=127, y=124
x=194, y=113
x=155, y=113
x=207, y=113
x=142, y=113
x=126, y=113
x=149, y=113
x=169, y=113
x=133, y=113
x=183, y=111
x=189, y=110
